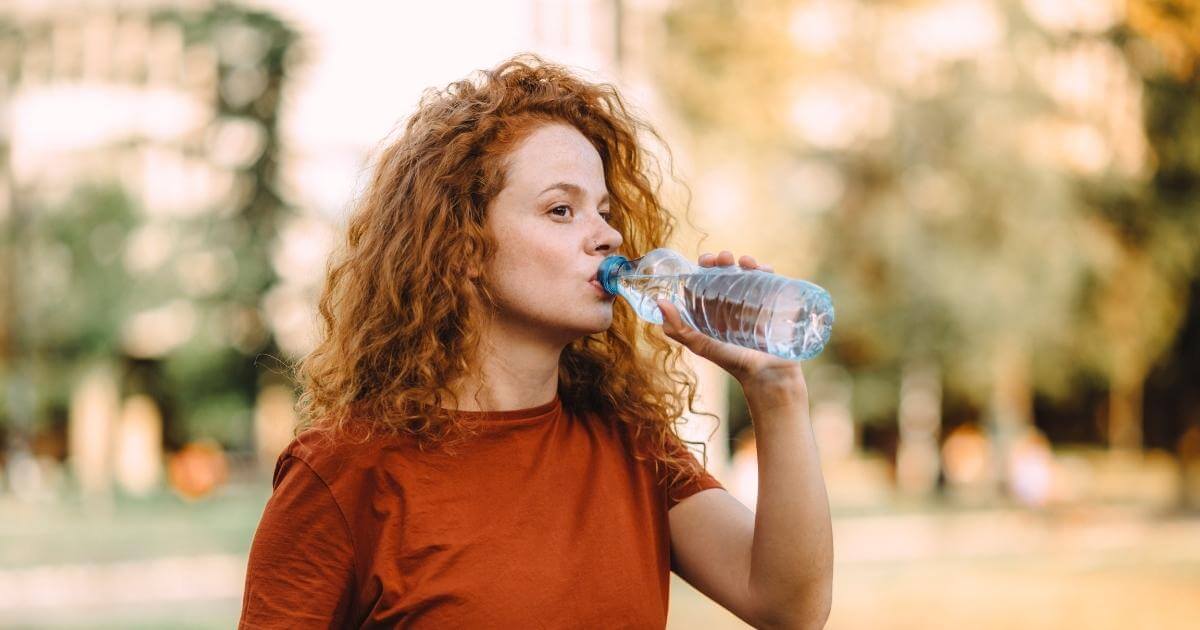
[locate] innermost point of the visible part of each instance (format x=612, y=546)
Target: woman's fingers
x=725, y=259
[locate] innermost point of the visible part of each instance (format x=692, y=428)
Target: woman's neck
x=509, y=373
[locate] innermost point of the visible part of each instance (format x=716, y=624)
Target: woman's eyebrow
x=570, y=188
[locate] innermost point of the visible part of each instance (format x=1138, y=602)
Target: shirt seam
x=341, y=513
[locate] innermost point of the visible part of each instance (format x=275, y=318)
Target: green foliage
x=955, y=235
x=720, y=66
x=77, y=292
x=212, y=389
x=97, y=273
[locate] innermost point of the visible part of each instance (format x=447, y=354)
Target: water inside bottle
x=754, y=310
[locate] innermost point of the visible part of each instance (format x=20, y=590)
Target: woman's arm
x=301, y=567
x=791, y=563
x=773, y=569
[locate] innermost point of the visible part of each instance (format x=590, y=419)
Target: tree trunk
x=1011, y=414
x=918, y=461
x=1125, y=410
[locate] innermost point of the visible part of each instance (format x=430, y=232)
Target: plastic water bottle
x=750, y=308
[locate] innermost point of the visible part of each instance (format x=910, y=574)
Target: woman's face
x=550, y=224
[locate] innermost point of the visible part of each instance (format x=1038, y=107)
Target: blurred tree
x=1162, y=42
x=974, y=157
x=1173, y=26
x=172, y=293
x=82, y=293
x=1150, y=226
x=961, y=242
x=717, y=47
x=211, y=382
x=12, y=409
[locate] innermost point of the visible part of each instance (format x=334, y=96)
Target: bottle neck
x=611, y=269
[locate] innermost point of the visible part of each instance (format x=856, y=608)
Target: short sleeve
x=686, y=487
x=301, y=567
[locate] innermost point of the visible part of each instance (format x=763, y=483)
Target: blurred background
x=1002, y=197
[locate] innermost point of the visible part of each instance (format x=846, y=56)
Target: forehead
x=553, y=152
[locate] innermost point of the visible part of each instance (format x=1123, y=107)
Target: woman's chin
x=600, y=323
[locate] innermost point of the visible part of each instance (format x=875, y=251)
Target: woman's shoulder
x=334, y=453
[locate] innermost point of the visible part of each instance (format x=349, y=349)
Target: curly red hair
x=399, y=323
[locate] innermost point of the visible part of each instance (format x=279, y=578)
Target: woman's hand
x=748, y=366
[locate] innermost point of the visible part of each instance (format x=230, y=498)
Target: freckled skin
x=550, y=243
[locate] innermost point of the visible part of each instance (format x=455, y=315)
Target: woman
x=490, y=439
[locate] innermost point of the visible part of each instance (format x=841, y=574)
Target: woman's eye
x=564, y=210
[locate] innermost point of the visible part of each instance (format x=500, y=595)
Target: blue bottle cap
x=611, y=269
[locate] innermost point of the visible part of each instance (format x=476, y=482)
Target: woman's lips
x=599, y=289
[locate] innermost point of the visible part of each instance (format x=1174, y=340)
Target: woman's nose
x=608, y=240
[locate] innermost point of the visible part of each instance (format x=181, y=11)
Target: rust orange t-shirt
x=545, y=520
